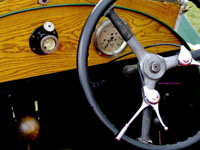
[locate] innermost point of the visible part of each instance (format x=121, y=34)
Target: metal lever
x=121, y=133
x=151, y=98
x=185, y=58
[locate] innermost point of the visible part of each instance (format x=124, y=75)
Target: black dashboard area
x=67, y=122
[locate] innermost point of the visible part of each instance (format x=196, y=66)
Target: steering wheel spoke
x=152, y=67
x=171, y=62
x=150, y=98
x=146, y=126
x=126, y=33
x=184, y=58
x=153, y=97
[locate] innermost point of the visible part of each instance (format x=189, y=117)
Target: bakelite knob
x=29, y=128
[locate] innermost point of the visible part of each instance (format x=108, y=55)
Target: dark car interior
x=60, y=90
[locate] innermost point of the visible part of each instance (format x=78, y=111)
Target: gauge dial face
x=107, y=40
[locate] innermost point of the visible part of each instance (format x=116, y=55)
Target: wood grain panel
x=17, y=61
x=146, y=30
x=164, y=11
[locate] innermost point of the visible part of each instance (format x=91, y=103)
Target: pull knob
x=44, y=39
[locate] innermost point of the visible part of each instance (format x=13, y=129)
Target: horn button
x=154, y=66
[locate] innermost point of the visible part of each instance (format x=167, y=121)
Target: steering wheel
x=151, y=68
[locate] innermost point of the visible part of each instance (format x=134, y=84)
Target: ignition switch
x=44, y=40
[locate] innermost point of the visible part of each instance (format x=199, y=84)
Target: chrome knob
x=48, y=26
x=153, y=96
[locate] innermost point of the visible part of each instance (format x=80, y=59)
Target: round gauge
x=107, y=40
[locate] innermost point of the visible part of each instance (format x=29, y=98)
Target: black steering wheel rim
x=82, y=65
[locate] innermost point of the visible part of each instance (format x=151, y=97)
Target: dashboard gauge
x=107, y=40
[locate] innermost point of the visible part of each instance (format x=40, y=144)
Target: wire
x=93, y=4
x=161, y=44
x=149, y=46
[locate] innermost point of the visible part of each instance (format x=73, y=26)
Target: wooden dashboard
x=19, y=18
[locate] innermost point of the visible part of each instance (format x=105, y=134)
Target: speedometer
x=107, y=40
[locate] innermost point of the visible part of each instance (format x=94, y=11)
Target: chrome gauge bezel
x=97, y=43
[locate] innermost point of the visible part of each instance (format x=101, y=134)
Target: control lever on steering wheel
x=185, y=58
x=153, y=67
x=151, y=97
